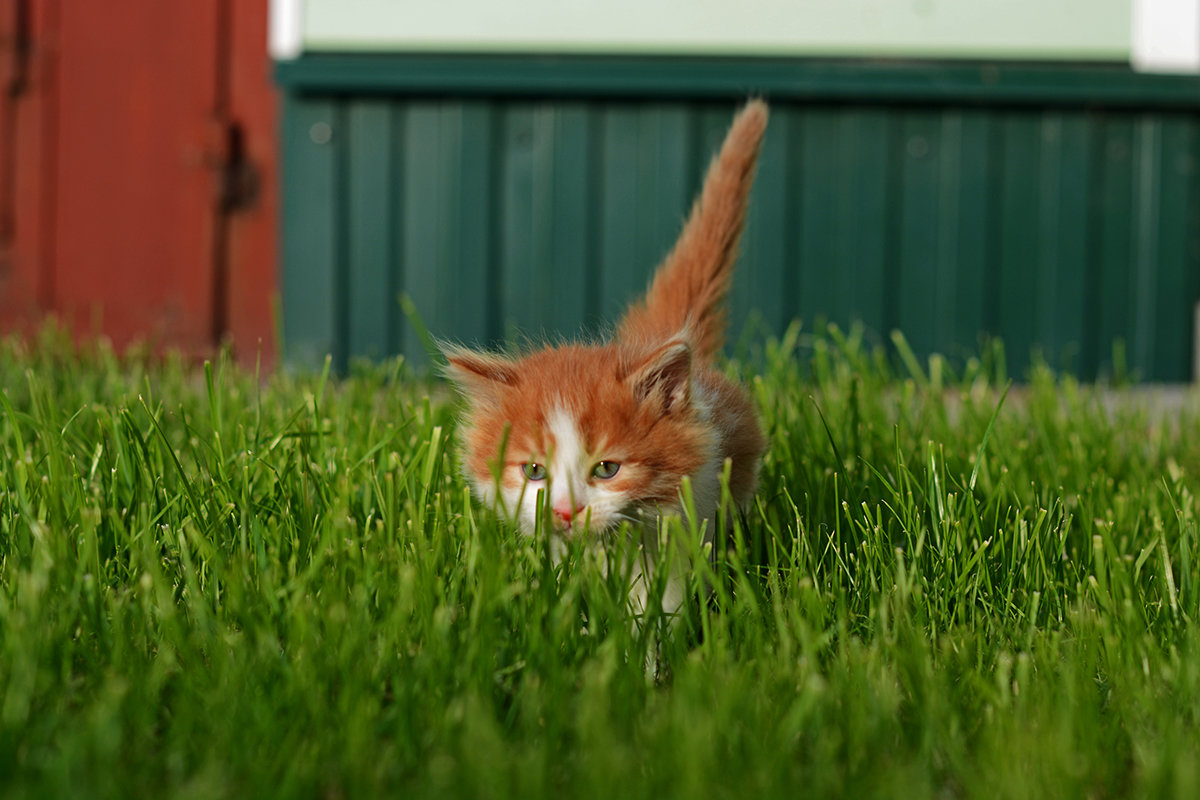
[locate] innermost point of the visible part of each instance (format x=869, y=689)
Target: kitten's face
x=595, y=435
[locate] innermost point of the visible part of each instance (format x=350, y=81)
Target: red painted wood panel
x=28, y=149
x=253, y=240
x=137, y=91
x=120, y=134
x=11, y=69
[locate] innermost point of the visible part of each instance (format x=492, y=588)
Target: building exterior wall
x=1055, y=207
x=1090, y=30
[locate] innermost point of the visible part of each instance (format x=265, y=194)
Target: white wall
x=1095, y=30
x=1158, y=35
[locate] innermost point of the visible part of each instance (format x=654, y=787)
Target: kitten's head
x=598, y=433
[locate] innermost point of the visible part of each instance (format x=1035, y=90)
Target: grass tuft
x=217, y=584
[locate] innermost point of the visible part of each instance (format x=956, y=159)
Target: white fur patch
x=568, y=467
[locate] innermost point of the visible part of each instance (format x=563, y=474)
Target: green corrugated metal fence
x=1054, y=216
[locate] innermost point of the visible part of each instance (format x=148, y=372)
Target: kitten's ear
x=665, y=377
x=479, y=375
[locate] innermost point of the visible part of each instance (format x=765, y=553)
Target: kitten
x=610, y=430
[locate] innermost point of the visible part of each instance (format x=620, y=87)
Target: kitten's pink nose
x=564, y=513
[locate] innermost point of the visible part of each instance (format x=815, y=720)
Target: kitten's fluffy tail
x=687, y=297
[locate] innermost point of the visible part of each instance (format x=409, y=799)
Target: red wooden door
x=142, y=202
x=26, y=150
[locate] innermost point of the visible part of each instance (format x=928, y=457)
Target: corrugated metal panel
x=1057, y=229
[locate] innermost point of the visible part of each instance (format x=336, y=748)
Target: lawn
x=215, y=583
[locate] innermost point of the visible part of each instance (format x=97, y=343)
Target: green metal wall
x=1062, y=221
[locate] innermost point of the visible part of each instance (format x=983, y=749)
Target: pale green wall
x=1032, y=29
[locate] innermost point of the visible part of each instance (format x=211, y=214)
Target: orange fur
x=654, y=450
x=648, y=401
x=687, y=297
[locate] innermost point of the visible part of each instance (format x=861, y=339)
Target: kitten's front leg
x=658, y=588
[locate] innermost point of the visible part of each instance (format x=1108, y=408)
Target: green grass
x=216, y=584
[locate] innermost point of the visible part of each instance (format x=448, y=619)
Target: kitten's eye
x=606, y=469
x=534, y=472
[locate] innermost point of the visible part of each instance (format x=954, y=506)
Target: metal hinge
x=237, y=184
x=15, y=49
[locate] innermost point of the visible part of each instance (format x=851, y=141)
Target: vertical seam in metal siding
x=949, y=233
x=496, y=211
x=795, y=166
x=995, y=229
x=1049, y=231
x=341, y=245
x=1145, y=256
x=394, y=214
x=893, y=189
x=1090, y=346
x=595, y=202
x=1192, y=245
x=789, y=215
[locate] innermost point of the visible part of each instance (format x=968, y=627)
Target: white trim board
x=1166, y=35
x=285, y=28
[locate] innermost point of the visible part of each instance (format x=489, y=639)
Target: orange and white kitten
x=610, y=430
